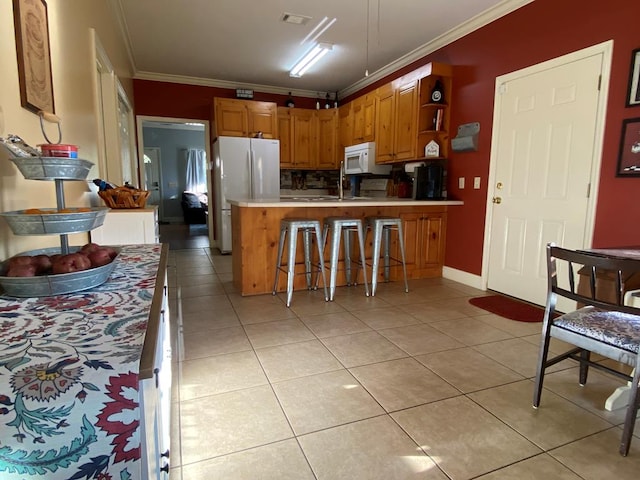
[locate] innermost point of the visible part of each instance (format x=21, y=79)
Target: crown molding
x=471, y=25
x=208, y=82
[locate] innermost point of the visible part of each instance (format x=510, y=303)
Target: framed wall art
x=629, y=156
x=633, y=94
x=34, y=58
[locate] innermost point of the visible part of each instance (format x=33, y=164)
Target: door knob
x=497, y=200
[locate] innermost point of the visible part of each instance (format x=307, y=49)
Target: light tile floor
x=400, y=386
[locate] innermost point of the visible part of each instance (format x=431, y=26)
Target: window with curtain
x=196, y=170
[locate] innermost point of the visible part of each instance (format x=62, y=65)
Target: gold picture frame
x=34, y=57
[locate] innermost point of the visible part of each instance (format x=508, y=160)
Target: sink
x=321, y=198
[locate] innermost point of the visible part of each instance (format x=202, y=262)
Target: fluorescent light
x=316, y=53
x=318, y=30
x=313, y=31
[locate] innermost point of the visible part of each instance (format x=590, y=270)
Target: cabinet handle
x=165, y=468
x=165, y=454
x=156, y=371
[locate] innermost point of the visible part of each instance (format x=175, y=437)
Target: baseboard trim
x=463, y=277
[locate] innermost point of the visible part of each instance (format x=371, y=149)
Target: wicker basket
x=124, y=197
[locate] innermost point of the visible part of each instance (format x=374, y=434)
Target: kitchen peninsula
x=256, y=232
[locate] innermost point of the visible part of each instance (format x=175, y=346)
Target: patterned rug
x=509, y=308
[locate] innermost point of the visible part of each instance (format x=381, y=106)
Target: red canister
x=59, y=150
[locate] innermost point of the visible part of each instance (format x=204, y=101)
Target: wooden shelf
x=434, y=105
x=430, y=132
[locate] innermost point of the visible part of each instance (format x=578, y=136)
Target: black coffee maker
x=428, y=182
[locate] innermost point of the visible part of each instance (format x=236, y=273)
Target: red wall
x=539, y=31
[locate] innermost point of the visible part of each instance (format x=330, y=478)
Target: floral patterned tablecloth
x=69, y=376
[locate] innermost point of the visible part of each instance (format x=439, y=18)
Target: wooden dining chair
x=601, y=325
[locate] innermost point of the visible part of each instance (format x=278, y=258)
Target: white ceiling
x=244, y=43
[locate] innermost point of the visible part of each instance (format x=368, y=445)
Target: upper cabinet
x=245, y=118
x=364, y=118
x=396, y=121
x=345, y=127
x=433, y=116
x=329, y=154
x=308, y=138
x=401, y=116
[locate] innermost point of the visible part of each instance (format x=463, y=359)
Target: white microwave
x=361, y=158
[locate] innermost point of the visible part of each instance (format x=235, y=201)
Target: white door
x=152, y=180
x=544, y=149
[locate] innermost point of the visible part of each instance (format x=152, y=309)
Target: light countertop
x=334, y=201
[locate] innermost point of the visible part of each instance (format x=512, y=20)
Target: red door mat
x=509, y=308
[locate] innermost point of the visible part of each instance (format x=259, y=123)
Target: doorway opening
x=168, y=150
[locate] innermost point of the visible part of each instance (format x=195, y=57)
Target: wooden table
x=620, y=397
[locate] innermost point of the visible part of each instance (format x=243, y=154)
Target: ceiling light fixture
x=319, y=29
x=315, y=54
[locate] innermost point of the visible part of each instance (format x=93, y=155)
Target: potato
x=89, y=247
x=72, y=262
x=42, y=263
x=20, y=260
x=22, y=271
x=100, y=257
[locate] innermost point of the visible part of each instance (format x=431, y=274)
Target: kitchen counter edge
x=370, y=202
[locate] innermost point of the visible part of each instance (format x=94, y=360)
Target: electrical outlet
x=461, y=183
x=476, y=183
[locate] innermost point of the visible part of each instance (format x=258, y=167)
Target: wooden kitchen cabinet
x=364, y=118
x=285, y=132
x=327, y=139
x=256, y=230
x=345, y=127
x=396, y=121
x=308, y=138
x=303, y=139
x=424, y=243
x=245, y=118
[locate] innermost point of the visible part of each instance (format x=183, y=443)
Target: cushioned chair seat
x=619, y=329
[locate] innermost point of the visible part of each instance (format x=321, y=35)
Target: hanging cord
x=366, y=70
x=378, y=26
x=50, y=117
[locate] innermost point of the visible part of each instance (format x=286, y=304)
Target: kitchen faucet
x=341, y=181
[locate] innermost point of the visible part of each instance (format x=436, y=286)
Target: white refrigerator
x=244, y=168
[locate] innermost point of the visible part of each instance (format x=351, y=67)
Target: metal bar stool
x=307, y=227
x=338, y=226
x=384, y=226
